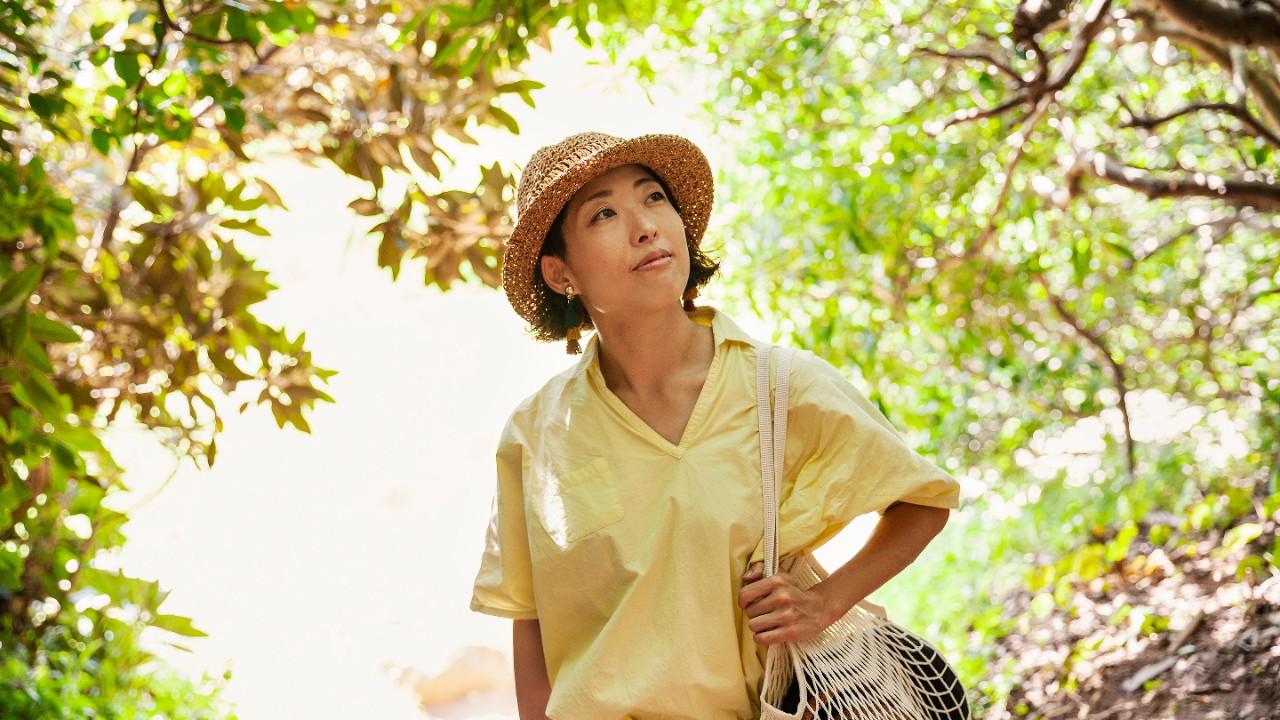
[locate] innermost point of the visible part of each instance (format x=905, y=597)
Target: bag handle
x=773, y=441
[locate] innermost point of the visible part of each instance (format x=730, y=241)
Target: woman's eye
x=655, y=192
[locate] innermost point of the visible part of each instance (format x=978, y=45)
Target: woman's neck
x=647, y=354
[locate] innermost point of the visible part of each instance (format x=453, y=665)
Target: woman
x=627, y=526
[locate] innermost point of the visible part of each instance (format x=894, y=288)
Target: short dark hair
x=550, y=326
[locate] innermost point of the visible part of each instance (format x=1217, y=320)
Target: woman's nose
x=645, y=228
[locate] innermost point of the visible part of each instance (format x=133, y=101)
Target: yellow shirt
x=629, y=550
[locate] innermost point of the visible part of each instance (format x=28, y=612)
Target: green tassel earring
x=572, y=321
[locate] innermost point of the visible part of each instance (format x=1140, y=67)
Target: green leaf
x=237, y=24
x=40, y=105
x=278, y=18
x=519, y=86
x=97, y=30
x=251, y=226
x=410, y=27
x=580, y=22
x=270, y=193
x=47, y=330
x=235, y=117
x=126, y=65
x=1241, y=535
x=122, y=588
x=81, y=440
x=177, y=624
x=458, y=14
x=175, y=84
x=18, y=289
x=449, y=50
x=227, y=366
x=505, y=118
x=10, y=569
x=15, y=332
x=33, y=354
x=304, y=19
x=45, y=395
x=101, y=140
x=65, y=457
x=469, y=65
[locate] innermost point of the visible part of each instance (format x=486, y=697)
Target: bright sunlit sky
x=315, y=562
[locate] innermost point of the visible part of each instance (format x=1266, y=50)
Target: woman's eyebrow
x=606, y=193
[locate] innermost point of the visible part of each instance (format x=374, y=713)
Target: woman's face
x=611, y=225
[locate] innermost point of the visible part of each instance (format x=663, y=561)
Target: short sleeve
x=504, y=583
x=845, y=459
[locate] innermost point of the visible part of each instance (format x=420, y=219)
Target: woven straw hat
x=556, y=172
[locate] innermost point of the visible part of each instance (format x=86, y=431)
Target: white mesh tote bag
x=863, y=666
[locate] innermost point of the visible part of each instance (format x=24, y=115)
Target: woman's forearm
x=902, y=533
x=532, y=687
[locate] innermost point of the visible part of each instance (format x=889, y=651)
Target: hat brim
x=677, y=160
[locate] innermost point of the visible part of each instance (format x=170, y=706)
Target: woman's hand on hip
x=779, y=611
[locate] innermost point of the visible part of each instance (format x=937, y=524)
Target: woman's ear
x=554, y=273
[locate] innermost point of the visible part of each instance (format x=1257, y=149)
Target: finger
x=780, y=583
x=774, y=636
x=755, y=571
x=756, y=590
x=763, y=605
x=782, y=599
x=775, y=619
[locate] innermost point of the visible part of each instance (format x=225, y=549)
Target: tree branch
x=168, y=21
x=1250, y=24
x=1024, y=135
x=976, y=114
x=1265, y=87
x=1262, y=195
x=1117, y=369
x=974, y=55
x=1094, y=20
x=1236, y=110
x=1032, y=18
x=1221, y=225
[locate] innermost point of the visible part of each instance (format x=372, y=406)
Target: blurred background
x=254, y=359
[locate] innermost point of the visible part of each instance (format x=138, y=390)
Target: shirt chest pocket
x=578, y=502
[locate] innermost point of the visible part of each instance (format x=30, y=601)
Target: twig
x=974, y=55
x=168, y=21
x=1024, y=136
x=1117, y=369
x=1237, y=110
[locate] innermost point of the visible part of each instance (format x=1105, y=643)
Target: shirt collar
x=722, y=327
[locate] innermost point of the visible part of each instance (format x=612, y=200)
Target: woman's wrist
x=834, y=604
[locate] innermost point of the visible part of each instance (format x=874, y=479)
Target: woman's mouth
x=655, y=264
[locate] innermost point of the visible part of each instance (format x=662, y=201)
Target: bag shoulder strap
x=773, y=440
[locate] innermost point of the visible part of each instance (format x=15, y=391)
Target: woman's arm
x=898, y=538
x=532, y=686
x=782, y=612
